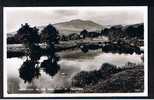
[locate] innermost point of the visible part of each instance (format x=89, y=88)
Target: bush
x=85, y=78
x=92, y=77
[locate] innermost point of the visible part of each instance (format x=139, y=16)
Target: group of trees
x=114, y=33
x=135, y=31
x=118, y=31
x=126, y=33
x=73, y=36
x=119, y=47
x=33, y=33
x=30, y=38
x=85, y=33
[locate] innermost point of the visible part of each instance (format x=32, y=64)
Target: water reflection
x=68, y=68
x=50, y=66
x=30, y=69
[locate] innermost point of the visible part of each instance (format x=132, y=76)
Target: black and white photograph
x=83, y=51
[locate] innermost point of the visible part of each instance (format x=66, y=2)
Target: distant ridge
x=76, y=26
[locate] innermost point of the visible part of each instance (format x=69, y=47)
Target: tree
x=28, y=71
x=131, y=31
x=27, y=34
x=105, y=32
x=50, y=34
x=140, y=31
x=11, y=40
x=30, y=38
x=84, y=33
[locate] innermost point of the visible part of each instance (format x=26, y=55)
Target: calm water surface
x=68, y=69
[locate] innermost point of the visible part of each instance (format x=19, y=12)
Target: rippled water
x=68, y=69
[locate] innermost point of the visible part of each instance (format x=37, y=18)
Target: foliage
x=27, y=34
x=135, y=31
x=12, y=40
x=105, y=32
x=50, y=66
x=86, y=78
x=126, y=81
x=35, y=52
x=83, y=33
x=28, y=71
x=50, y=34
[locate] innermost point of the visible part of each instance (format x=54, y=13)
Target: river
x=69, y=67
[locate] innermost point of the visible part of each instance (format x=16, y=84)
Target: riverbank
x=109, y=79
x=19, y=50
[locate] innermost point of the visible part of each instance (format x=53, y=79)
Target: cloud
x=114, y=16
x=15, y=16
x=65, y=12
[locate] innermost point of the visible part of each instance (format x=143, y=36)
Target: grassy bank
x=78, y=54
x=110, y=79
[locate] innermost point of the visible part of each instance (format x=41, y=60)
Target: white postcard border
x=144, y=94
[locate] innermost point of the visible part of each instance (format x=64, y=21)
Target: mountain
x=75, y=26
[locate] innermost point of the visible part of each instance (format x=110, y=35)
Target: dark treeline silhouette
x=112, y=47
x=105, y=32
x=85, y=33
x=12, y=40
x=122, y=39
x=127, y=33
x=30, y=69
x=114, y=33
x=135, y=31
x=73, y=36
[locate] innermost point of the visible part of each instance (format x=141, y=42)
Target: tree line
x=114, y=33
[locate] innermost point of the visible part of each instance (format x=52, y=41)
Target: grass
x=78, y=54
x=111, y=79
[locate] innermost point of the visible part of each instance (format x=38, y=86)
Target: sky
x=38, y=16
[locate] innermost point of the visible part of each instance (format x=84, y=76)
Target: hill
x=73, y=26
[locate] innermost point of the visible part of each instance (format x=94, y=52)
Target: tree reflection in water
x=30, y=69
x=50, y=66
